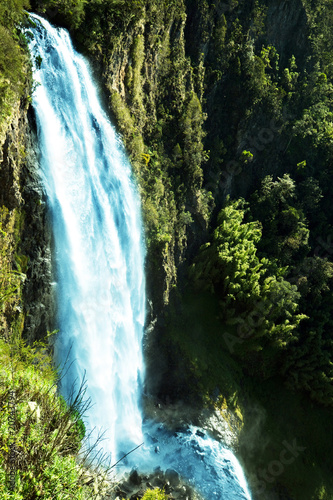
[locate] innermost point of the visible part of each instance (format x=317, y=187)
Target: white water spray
x=99, y=253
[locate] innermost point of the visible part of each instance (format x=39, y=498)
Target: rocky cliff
x=27, y=238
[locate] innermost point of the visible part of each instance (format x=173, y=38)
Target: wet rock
x=167, y=487
x=126, y=487
x=158, y=482
x=169, y=481
x=139, y=494
x=173, y=477
x=182, y=491
x=222, y=423
x=134, y=478
x=121, y=494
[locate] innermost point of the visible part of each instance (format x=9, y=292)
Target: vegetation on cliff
x=13, y=58
x=38, y=439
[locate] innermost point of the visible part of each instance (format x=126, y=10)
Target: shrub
x=155, y=494
x=40, y=434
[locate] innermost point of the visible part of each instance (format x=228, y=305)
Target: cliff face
x=27, y=238
x=12, y=136
x=11, y=143
x=36, y=244
x=288, y=30
x=157, y=102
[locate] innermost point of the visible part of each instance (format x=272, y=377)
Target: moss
x=12, y=73
x=128, y=128
x=11, y=278
x=138, y=56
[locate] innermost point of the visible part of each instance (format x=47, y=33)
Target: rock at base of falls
x=134, y=485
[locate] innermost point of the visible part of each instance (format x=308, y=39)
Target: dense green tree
x=262, y=306
x=308, y=364
x=285, y=231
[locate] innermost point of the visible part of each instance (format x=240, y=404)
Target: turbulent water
x=99, y=254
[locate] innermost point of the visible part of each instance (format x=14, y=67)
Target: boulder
x=173, y=477
x=134, y=478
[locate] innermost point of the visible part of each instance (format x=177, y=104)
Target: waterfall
x=99, y=254
x=99, y=249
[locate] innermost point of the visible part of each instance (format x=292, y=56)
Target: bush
x=40, y=434
x=257, y=303
x=155, y=494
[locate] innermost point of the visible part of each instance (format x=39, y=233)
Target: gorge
x=99, y=255
x=224, y=110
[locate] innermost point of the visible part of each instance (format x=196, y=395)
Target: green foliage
x=46, y=432
x=285, y=231
x=135, y=85
x=229, y=267
x=12, y=12
x=71, y=12
x=246, y=157
x=12, y=58
x=155, y=494
x=11, y=279
x=320, y=21
x=227, y=262
x=290, y=76
x=96, y=22
x=307, y=364
x=40, y=467
x=191, y=125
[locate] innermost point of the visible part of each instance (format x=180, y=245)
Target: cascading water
x=98, y=239
x=99, y=253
